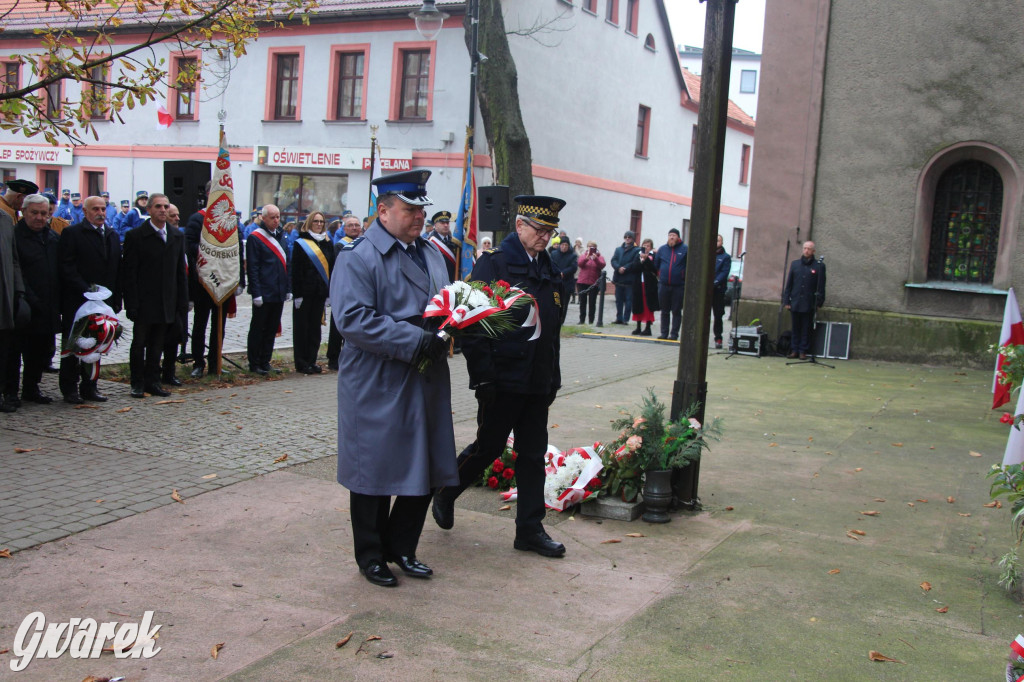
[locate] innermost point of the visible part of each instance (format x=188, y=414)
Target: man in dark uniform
x=723, y=264
x=449, y=246
x=516, y=379
x=803, y=295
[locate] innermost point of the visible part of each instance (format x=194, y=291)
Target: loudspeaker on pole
x=185, y=185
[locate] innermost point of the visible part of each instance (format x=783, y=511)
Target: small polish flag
x=1017, y=646
x=1012, y=334
x=164, y=119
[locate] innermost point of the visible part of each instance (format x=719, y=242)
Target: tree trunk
x=498, y=95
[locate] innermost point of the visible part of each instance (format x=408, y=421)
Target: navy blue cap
x=542, y=210
x=410, y=186
x=141, y=194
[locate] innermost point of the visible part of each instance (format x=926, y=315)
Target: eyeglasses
x=318, y=221
x=547, y=234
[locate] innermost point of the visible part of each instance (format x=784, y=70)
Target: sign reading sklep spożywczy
x=22, y=153
x=328, y=158
x=82, y=638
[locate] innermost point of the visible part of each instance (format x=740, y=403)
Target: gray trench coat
x=395, y=434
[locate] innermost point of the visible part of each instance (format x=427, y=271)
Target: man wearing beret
x=516, y=377
x=441, y=237
x=395, y=434
x=17, y=190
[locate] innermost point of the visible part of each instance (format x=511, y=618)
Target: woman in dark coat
x=565, y=262
x=311, y=263
x=645, y=290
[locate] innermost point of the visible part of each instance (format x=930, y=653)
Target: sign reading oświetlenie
x=25, y=153
x=326, y=158
x=82, y=638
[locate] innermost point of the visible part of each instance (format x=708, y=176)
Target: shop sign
x=20, y=153
x=337, y=158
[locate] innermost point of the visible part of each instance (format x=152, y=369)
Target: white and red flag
x=1012, y=334
x=217, y=260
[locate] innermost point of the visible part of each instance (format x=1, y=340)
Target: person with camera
x=591, y=263
x=803, y=295
x=645, y=290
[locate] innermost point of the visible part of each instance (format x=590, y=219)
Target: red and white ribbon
x=96, y=341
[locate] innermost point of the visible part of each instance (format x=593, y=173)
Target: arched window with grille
x=966, y=220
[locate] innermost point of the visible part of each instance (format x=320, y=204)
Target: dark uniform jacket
x=154, y=284
x=84, y=261
x=306, y=279
x=37, y=253
x=625, y=257
x=805, y=286
x=723, y=264
x=513, y=362
x=267, y=279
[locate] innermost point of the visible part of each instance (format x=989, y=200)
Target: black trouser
x=8, y=382
x=803, y=324
x=35, y=350
x=266, y=319
x=306, y=331
x=202, y=314
x=588, y=301
x=718, y=312
x=380, y=529
x=334, y=343
x=528, y=416
x=670, y=300
x=175, y=335
x=144, y=355
x=72, y=371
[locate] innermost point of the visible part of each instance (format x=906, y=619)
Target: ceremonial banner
x=371, y=208
x=1012, y=333
x=465, y=222
x=217, y=260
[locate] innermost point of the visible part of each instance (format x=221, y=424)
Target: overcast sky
x=687, y=17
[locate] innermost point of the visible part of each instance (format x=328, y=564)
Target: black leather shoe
x=259, y=370
x=171, y=381
x=94, y=396
x=7, y=407
x=157, y=389
x=198, y=373
x=12, y=400
x=378, y=573
x=73, y=399
x=50, y=369
x=412, y=566
x=333, y=367
x=272, y=370
x=36, y=397
x=541, y=543
x=315, y=369
x=443, y=510
x=662, y=337
x=137, y=392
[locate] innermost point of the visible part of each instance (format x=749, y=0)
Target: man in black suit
x=155, y=292
x=88, y=253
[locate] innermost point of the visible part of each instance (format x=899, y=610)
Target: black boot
x=647, y=330
x=636, y=332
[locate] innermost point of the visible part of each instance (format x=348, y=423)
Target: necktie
x=103, y=240
x=417, y=257
x=163, y=235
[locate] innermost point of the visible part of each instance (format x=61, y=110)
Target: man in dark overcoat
x=266, y=256
x=34, y=345
x=155, y=292
x=803, y=295
x=89, y=253
x=395, y=434
x=516, y=377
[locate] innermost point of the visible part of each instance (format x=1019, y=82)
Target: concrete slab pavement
x=743, y=588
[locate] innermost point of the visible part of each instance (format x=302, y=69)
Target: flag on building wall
x=217, y=261
x=371, y=209
x=1012, y=333
x=466, y=221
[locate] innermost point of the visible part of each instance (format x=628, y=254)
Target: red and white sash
x=272, y=244
x=443, y=248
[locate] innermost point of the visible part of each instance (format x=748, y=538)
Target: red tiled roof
x=692, y=82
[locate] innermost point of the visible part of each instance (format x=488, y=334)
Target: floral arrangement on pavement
x=94, y=331
x=500, y=475
x=479, y=309
x=650, y=441
x=1015, y=666
x=570, y=477
x=1008, y=481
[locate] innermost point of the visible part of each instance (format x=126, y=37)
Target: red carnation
x=514, y=456
x=497, y=467
x=508, y=474
x=492, y=482
x=1007, y=418
x=487, y=290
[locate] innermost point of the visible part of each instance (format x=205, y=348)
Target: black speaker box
x=493, y=210
x=185, y=185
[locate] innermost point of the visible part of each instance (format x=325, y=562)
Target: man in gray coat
x=404, y=444
x=12, y=289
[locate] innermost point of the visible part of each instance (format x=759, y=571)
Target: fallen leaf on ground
x=729, y=508
x=635, y=535
x=810, y=439
x=372, y=638
x=897, y=445
x=852, y=536
x=209, y=476
x=20, y=450
x=879, y=499
x=858, y=532
x=215, y=649
x=289, y=391
x=870, y=513
x=921, y=499
x=505, y=507
x=834, y=571
x=951, y=499
x=87, y=406
x=168, y=402
x=238, y=426
x=343, y=641
x=610, y=542
x=962, y=514
x=597, y=406
x=926, y=586
x=224, y=412
x=910, y=504
x=773, y=445
x=882, y=658
x=176, y=497
x=975, y=454
x=859, y=469
x=990, y=504
x=5, y=553
x=125, y=409
x=281, y=458
x=942, y=609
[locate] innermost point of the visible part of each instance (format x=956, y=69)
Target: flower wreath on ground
x=94, y=331
x=570, y=477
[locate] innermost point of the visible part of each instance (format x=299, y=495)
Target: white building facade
x=605, y=102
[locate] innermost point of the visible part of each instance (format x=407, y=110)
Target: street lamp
x=429, y=19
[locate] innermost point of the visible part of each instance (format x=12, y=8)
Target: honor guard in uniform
x=441, y=237
x=395, y=434
x=516, y=378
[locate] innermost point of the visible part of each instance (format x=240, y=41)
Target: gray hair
x=265, y=211
x=34, y=199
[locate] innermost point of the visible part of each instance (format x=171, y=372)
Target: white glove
x=191, y=305
x=239, y=290
x=287, y=297
x=258, y=301
x=327, y=303
x=298, y=302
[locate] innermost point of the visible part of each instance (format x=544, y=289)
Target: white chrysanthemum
x=91, y=358
x=478, y=299
x=460, y=289
x=85, y=342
